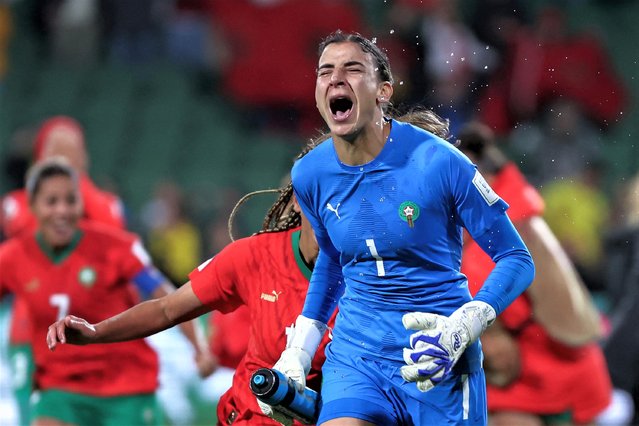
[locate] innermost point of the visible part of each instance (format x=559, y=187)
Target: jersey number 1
x=379, y=262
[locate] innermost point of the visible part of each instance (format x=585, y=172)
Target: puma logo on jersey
x=330, y=208
x=32, y=285
x=271, y=297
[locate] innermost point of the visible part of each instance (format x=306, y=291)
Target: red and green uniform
x=16, y=218
x=554, y=378
x=90, y=280
x=267, y=274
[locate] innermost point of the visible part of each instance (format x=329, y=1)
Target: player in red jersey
x=268, y=272
x=67, y=266
x=57, y=136
x=543, y=364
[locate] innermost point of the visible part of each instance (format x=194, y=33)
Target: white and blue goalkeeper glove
x=440, y=341
x=295, y=360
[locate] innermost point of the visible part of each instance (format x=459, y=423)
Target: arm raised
x=561, y=302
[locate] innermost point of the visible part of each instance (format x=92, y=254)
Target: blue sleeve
x=325, y=287
x=148, y=279
x=514, y=269
x=327, y=284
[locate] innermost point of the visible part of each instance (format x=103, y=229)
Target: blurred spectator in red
x=273, y=55
x=547, y=62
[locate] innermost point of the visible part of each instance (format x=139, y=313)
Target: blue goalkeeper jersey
x=390, y=236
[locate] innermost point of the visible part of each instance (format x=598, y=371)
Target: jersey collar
x=61, y=255
x=304, y=269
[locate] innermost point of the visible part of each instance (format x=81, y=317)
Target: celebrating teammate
x=85, y=268
x=543, y=362
x=388, y=202
x=57, y=136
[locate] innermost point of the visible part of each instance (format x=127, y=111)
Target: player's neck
x=365, y=146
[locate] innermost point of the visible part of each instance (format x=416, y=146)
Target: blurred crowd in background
x=555, y=80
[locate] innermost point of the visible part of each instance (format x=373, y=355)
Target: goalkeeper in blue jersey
x=388, y=201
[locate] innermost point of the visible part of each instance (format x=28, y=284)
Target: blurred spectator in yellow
x=562, y=155
x=173, y=239
x=578, y=212
x=175, y=246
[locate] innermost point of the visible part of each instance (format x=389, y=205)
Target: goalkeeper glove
x=440, y=341
x=295, y=361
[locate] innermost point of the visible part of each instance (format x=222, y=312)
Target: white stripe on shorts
x=465, y=396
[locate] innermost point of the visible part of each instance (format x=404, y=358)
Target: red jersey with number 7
x=90, y=279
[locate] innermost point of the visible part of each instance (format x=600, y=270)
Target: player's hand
x=70, y=329
x=502, y=358
x=294, y=363
x=276, y=415
x=206, y=363
x=303, y=340
x=440, y=341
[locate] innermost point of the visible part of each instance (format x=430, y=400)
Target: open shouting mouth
x=341, y=108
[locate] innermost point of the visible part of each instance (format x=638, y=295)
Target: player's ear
x=296, y=205
x=384, y=92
